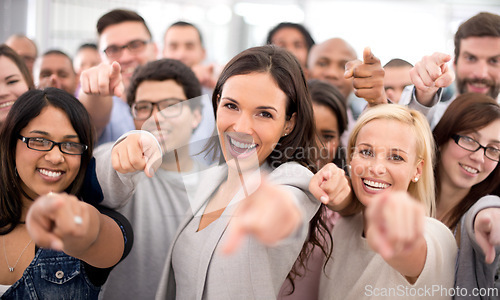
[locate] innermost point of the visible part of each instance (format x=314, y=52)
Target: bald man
x=327, y=62
x=25, y=48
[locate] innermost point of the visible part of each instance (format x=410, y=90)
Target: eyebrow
x=399, y=150
x=258, y=107
x=479, y=136
x=328, y=131
x=392, y=149
x=475, y=55
x=69, y=136
x=10, y=76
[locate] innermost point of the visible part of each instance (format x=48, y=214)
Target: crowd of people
x=278, y=185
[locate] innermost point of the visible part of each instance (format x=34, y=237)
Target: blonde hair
x=423, y=190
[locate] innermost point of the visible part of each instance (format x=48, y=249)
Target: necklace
x=11, y=269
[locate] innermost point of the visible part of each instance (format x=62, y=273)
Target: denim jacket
x=53, y=275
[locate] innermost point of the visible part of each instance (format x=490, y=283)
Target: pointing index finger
x=115, y=70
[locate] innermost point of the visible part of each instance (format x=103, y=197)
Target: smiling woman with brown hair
x=264, y=123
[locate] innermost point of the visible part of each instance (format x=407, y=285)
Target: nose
x=377, y=167
x=243, y=124
x=3, y=91
x=478, y=155
x=55, y=156
x=54, y=81
x=481, y=70
x=126, y=56
x=334, y=72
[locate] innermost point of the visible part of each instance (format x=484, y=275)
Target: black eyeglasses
x=42, y=144
x=472, y=145
x=168, y=108
x=135, y=46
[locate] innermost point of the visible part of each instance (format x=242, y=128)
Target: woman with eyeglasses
x=53, y=246
x=467, y=170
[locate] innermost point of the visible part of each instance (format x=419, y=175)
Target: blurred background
x=392, y=28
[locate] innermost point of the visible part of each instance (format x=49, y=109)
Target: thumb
x=368, y=57
x=447, y=77
x=315, y=185
x=152, y=154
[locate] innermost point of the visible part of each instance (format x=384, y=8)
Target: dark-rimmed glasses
x=43, y=144
x=472, y=145
x=168, y=108
x=135, y=46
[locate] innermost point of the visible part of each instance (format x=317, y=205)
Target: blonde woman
x=392, y=248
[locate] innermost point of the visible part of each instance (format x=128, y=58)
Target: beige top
x=357, y=272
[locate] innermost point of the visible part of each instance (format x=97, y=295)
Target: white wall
x=404, y=29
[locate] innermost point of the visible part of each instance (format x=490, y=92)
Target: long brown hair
x=19, y=62
x=284, y=68
x=467, y=113
x=26, y=108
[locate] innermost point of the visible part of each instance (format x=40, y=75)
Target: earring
x=285, y=134
x=415, y=179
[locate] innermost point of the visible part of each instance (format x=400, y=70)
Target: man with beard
x=476, y=63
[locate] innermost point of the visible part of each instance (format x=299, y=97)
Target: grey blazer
x=255, y=271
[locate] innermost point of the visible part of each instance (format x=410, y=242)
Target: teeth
x=242, y=145
x=6, y=104
x=49, y=173
x=375, y=185
x=470, y=169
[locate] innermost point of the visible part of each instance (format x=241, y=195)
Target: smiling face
x=462, y=169
x=327, y=128
x=384, y=159
x=171, y=132
x=52, y=171
x=478, y=66
x=12, y=85
x=251, y=117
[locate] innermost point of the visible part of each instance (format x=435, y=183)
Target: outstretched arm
x=395, y=230
x=63, y=223
x=487, y=232
x=98, y=85
x=332, y=187
x=430, y=74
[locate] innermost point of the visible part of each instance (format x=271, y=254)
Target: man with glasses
x=125, y=43
x=164, y=97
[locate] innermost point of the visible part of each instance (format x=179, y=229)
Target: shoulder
x=290, y=172
x=437, y=235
